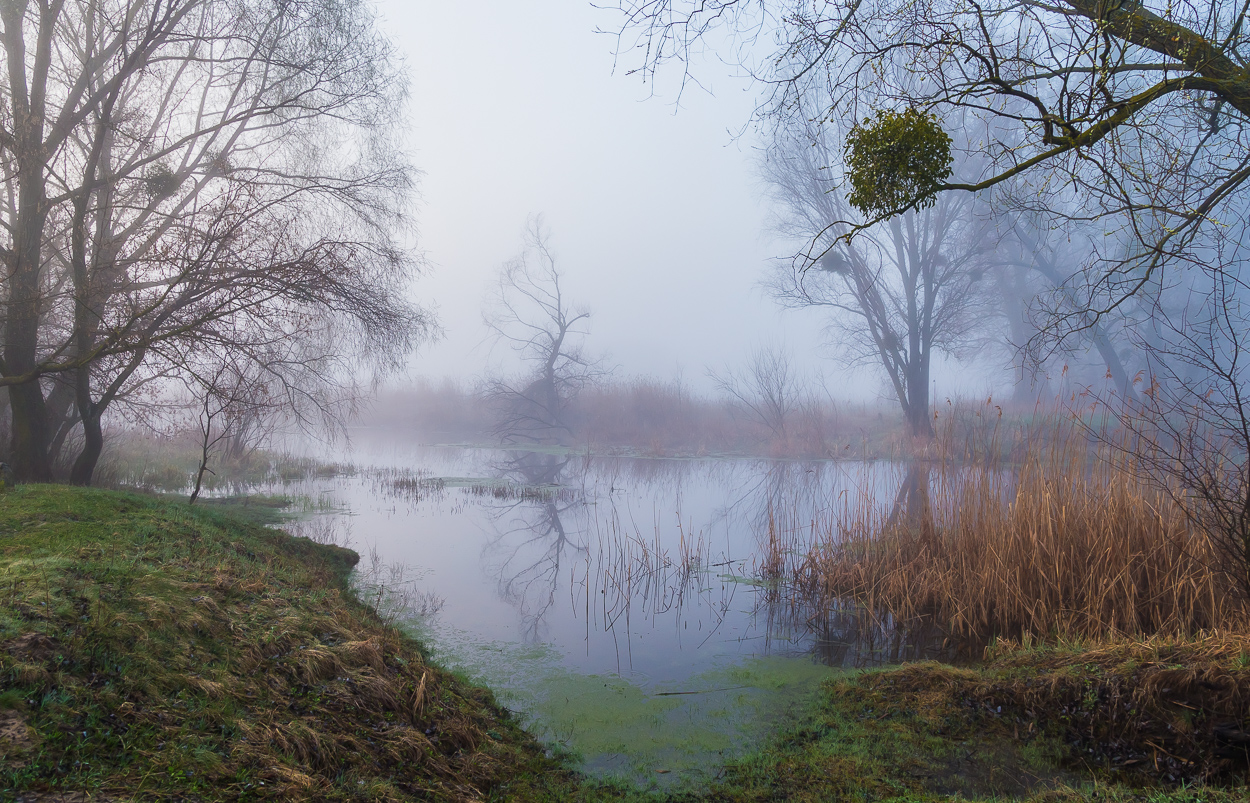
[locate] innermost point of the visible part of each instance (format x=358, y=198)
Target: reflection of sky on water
x=560, y=571
x=646, y=568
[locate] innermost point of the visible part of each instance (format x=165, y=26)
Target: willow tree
x=192, y=177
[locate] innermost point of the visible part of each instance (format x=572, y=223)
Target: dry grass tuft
x=367, y=652
x=1056, y=548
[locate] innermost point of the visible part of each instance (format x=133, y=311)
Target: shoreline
x=150, y=650
x=154, y=650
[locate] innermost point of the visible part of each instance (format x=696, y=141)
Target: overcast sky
x=655, y=209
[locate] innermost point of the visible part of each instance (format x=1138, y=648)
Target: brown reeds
x=1066, y=544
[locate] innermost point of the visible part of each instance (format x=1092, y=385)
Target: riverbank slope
x=153, y=650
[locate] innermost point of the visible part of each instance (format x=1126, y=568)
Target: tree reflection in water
x=912, y=506
x=558, y=527
x=526, y=552
x=793, y=610
x=555, y=519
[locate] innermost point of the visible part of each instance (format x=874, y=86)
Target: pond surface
x=637, y=612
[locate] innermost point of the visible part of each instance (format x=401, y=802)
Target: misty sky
x=657, y=213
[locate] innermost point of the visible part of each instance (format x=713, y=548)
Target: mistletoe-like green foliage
x=895, y=160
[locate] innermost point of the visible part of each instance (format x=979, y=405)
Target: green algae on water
x=655, y=734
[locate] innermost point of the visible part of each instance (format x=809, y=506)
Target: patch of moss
x=656, y=736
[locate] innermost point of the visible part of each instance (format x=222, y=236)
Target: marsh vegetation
x=207, y=252
x=651, y=613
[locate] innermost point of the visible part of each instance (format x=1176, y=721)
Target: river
x=638, y=612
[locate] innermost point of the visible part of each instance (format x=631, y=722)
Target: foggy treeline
x=953, y=184
x=206, y=230
x=651, y=417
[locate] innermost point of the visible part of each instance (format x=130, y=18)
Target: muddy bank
x=1172, y=710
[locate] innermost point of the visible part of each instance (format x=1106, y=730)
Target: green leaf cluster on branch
x=897, y=160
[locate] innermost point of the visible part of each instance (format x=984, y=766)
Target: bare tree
x=905, y=288
x=1138, y=111
x=530, y=314
x=177, y=172
x=1031, y=263
x=1189, y=429
x=768, y=388
x=228, y=400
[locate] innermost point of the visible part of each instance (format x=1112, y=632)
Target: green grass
x=154, y=651
x=134, y=461
x=919, y=734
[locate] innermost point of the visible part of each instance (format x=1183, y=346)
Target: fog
x=693, y=227
x=659, y=217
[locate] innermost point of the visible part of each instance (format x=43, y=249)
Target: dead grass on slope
x=151, y=650
x=1175, y=710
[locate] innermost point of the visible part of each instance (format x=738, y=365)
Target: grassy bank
x=153, y=651
x=150, y=650
x=1150, y=722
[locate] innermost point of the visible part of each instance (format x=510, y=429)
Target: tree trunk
x=92, y=414
x=917, y=408
x=199, y=474
x=62, y=417
x=29, y=436
x=920, y=422
x=1102, y=341
x=93, y=445
x=1115, y=367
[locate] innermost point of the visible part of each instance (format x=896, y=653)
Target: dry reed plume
x=1056, y=547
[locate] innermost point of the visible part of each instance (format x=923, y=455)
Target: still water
x=640, y=613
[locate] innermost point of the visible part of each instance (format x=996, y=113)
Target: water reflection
x=530, y=541
x=845, y=634
x=612, y=597
x=644, y=567
x=912, y=504
x=642, y=612
x=793, y=507
x=566, y=524
x=578, y=529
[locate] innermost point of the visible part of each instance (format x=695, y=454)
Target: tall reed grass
x=1066, y=543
